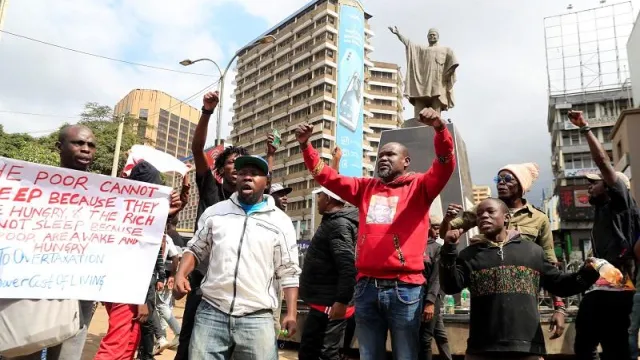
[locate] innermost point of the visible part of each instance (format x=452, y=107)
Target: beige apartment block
x=294, y=80
x=167, y=122
x=480, y=192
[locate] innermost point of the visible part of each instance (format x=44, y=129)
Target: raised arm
x=434, y=180
x=554, y=281
x=271, y=152
x=598, y=154
x=451, y=221
x=348, y=188
x=454, y=272
x=336, y=157
x=402, y=38
x=210, y=101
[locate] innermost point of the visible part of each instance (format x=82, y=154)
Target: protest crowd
x=379, y=263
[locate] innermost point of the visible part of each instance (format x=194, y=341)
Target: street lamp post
x=264, y=40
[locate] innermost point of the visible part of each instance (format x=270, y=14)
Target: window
x=619, y=148
x=325, y=143
x=144, y=114
x=329, y=53
x=571, y=137
x=606, y=133
x=578, y=161
x=330, y=36
x=607, y=108
x=296, y=168
x=279, y=173
x=332, y=20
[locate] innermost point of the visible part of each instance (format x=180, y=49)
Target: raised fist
x=303, y=133
x=210, y=100
x=429, y=117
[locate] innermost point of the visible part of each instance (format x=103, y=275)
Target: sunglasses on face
x=506, y=178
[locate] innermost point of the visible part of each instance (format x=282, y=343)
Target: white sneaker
x=161, y=346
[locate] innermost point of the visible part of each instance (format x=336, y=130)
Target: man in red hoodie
x=392, y=236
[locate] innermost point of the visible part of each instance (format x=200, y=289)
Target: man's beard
x=250, y=199
x=385, y=173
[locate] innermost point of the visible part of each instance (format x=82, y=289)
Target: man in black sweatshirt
x=328, y=279
x=432, y=326
x=504, y=274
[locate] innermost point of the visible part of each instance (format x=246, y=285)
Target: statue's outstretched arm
x=402, y=38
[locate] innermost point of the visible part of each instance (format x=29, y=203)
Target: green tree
x=100, y=119
x=25, y=147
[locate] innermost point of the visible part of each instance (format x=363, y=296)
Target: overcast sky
x=501, y=95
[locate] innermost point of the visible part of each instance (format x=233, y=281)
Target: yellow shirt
x=532, y=224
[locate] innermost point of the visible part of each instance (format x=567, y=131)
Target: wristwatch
x=205, y=111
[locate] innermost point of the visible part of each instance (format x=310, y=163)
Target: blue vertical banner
x=350, y=101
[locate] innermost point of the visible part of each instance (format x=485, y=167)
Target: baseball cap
x=621, y=176
x=257, y=161
x=331, y=194
x=278, y=187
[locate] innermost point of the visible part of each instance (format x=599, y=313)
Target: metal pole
x=220, y=103
x=116, y=155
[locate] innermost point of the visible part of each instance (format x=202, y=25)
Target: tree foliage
x=100, y=119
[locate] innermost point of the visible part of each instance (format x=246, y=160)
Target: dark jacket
x=504, y=284
x=431, y=271
x=329, y=271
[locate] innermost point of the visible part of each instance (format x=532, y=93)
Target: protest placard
x=66, y=234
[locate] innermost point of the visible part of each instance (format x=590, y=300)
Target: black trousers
x=434, y=329
x=189, y=316
x=603, y=318
x=320, y=337
x=349, y=333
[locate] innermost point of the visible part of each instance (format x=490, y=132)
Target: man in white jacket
x=248, y=242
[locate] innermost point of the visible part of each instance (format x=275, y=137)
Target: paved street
x=99, y=326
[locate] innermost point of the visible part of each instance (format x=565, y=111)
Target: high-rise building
x=633, y=51
x=295, y=79
x=587, y=70
x=165, y=121
x=481, y=192
x=383, y=107
x=3, y=9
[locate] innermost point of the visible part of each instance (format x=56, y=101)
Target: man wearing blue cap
x=254, y=242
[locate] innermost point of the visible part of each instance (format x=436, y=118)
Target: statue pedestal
x=412, y=123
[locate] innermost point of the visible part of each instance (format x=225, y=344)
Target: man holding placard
x=77, y=147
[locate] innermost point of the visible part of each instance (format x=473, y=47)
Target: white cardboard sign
x=67, y=234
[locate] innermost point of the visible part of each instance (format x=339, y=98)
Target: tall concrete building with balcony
x=294, y=80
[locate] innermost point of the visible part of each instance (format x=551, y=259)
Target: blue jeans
x=218, y=336
x=635, y=326
x=381, y=308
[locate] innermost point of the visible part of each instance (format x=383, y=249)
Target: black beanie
x=145, y=172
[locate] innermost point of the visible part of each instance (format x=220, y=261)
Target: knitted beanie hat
x=526, y=174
